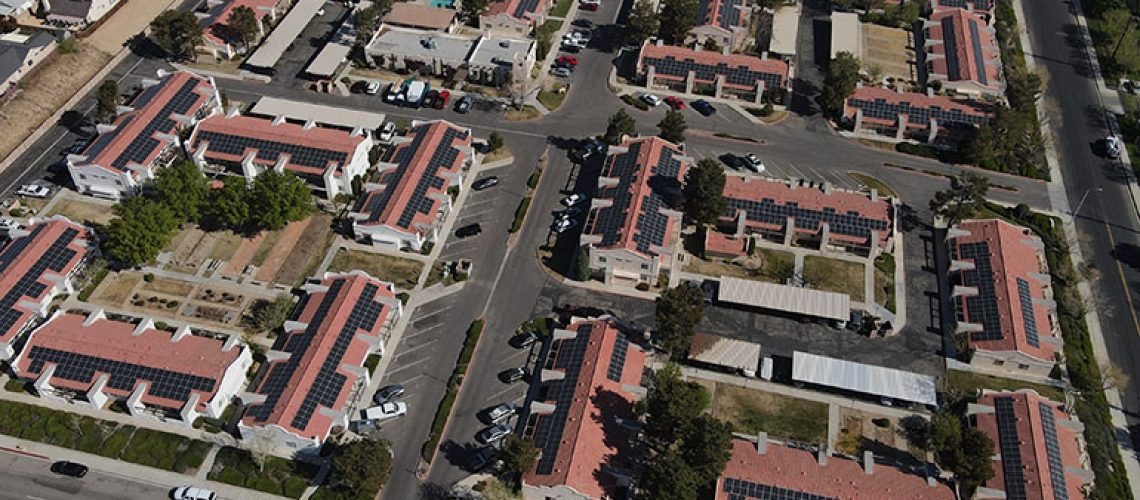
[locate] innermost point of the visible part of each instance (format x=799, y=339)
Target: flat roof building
x=586, y=420
x=785, y=31
x=784, y=298
x=760, y=468
x=327, y=159
x=992, y=264
x=731, y=354
x=1038, y=451
x=305, y=386
x=983, y=7
x=484, y=59
x=901, y=115
x=809, y=213
x=144, y=136
x=169, y=376
x=960, y=51
x=273, y=47
x=696, y=71
x=409, y=204
x=423, y=17
x=356, y=120
x=632, y=230
x=39, y=263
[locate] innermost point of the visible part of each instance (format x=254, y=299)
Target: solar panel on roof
x=269, y=151
x=651, y=225
x=983, y=307
x=729, y=15
x=443, y=159
x=82, y=368
x=950, y=45
x=979, y=56
x=525, y=7
x=1010, y=448
x=882, y=110
x=1053, y=452
x=144, y=144
x=55, y=259
x=1027, y=316
x=740, y=489
x=617, y=358
x=548, y=431
x=767, y=211
x=738, y=75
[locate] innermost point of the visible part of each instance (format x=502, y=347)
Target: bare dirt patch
x=170, y=286
x=242, y=255
x=276, y=248
x=116, y=288
x=404, y=273
x=82, y=212
x=308, y=252
x=780, y=416
x=860, y=431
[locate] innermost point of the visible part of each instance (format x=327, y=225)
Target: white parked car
x=563, y=225
x=754, y=163
x=387, y=132
x=501, y=412
x=651, y=100
x=34, y=191
x=386, y=411
x=373, y=88
x=1112, y=146
x=573, y=199
x=193, y=493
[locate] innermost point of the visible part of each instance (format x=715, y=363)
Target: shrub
x=148, y=277
x=644, y=287
x=520, y=214
x=444, y=411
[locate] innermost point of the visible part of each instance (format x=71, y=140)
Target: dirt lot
x=308, y=250
x=859, y=431
x=782, y=417
x=404, y=273
x=768, y=265
x=116, y=287
x=82, y=212
x=835, y=275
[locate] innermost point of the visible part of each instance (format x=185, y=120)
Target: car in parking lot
x=499, y=413
x=192, y=493
x=583, y=23
x=386, y=411
x=651, y=100
x=464, y=104
x=589, y=149
x=441, y=99
x=65, y=468
x=566, y=61
x=589, y=4
x=571, y=45
x=561, y=72
x=372, y=88
x=33, y=191
x=754, y=163
x=493, y=434
x=430, y=97
x=388, y=393
x=675, y=102
x=703, y=107
x=525, y=339
x=469, y=230
x=569, y=212
x=482, y=458
x=512, y=375
x=485, y=183
x=563, y=225
x=573, y=199
x=387, y=132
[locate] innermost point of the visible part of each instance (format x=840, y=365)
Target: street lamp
x=1115, y=48
x=1083, y=198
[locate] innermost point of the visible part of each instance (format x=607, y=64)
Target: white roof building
x=867, y=379
x=791, y=299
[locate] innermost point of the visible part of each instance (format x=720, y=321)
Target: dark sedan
x=66, y=468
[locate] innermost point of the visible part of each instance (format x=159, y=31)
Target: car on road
x=499, y=413
x=386, y=411
x=562, y=72
x=512, y=375
x=525, y=339
x=563, y=225
x=566, y=61
x=589, y=4
x=65, y=468
x=493, y=434
x=573, y=199
x=482, y=458
x=469, y=230
x=703, y=107
x=590, y=148
x=320, y=12
x=387, y=132
x=754, y=163
x=192, y=493
x=1112, y=147
x=33, y=191
x=675, y=102
x=441, y=99
x=583, y=23
x=464, y=104
x=485, y=183
x=650, y=99
x=388, y=393
x=373, y=88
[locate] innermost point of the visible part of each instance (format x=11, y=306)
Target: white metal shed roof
x=846, y=34
x=785, y=30
x=324, y=115
x=723, y=351
x=864, y=378
x=285, y=33
x=785, y=298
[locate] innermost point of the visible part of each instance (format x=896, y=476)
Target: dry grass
x=82, y=212
x=117, y=288
x=873, y=183
x=768, y=266
x=308, y=251
x=228, y=243
x=968, y=382
x=776, y=117
x=782, y=417
x=498, y=154
x=834, y=275
x=267, y=244
x=228, y=67
x=527, y=113
x=170, y=286
x=404, y=273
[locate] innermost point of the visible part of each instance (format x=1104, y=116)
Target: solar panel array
x=768, y=211
x=1053, y=452
x=326, y=386
x=144, y=144
x=736, y=75
x=269, y=151
x=983, y=307
x=1010, y=448
x=548, y=431
x=56, y=258
x=525, y=7
x=727, y=15
x=167, y=384
x=739, y=489
x=443, y=158
x=1026, y=300
x=965, y=4
x=950, y=46
x=979, y=56
x=651, y=225
x=617, y=358
x=947, y=117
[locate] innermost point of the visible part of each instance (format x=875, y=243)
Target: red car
x=569, y=61
x=589, y=4
x=441, y=99
x=675, y=103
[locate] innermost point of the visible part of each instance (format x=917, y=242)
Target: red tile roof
x=588, y=442
x=416, y=158
x=518, y=9
x=982, y=68
x=841, y=478
x=215, y=29
x=714, y=62
x=289, y=380
x=1012, y=256
x=127, y=145
x=650, y=154
x=249, y=129
x=714, y=11
x=1034, y=457
x=719, y=244
x=154, y=349
x=973, y=112
x=27, y=259
x=984, y=6
x=739, y=189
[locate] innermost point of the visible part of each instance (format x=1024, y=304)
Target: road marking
x=499, y=394
x=390, y=371
x=33, y=497
x=430, y=314
x=413, y=349
x=799, y=173
x=409, y=381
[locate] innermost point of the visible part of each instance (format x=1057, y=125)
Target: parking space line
x=799, y=173
x=401, y=353
x=430, y=314
x=815, y=173
x=409, y=381
x=499, y=394
x=391, y=370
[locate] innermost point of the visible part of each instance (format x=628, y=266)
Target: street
x=29, y=478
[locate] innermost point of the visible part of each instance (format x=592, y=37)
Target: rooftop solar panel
x=269, y=151
x=163, y=383
x=55, y=259
x=549, y=428
x=144, y=144
x=979, y=56
x=1010, y=448
x=442, y=159
x=651, y=224
x=883, y=110
x=525, y=7
x=1030, y=320
x=767, y=211
x=738, y=75
x=739, y=489
x=950, y=45
x=1053, y=452
x=982, y=308
x=617, y=358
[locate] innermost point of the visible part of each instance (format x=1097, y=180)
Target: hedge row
x=520, y=214
x=444, y=411
x=278, y=476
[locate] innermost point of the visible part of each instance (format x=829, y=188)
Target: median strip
x=443, y=413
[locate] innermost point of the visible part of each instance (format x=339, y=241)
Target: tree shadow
x=611, y=407
x=458, y=454
x=432, y=491
x=1127, y=254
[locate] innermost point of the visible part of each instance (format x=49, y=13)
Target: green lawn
x=278, y=476
x=834, y=275
x=968, y=382
x=551, y=99
x=561, y=8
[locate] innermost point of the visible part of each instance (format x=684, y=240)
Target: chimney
x=659, y=42
x=868, y=462
x=821, y=455
x=929, y=92
x=762, y=443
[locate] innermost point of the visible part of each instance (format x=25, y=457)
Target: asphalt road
x=28, y=478
x=1107, y=221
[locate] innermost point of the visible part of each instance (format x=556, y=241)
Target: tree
x=967, y=192
x=142, y=230
x=583, y=271
x=470, y=10
x=177, y=32
x=668, y=476
x=704, y=192
x=671, y=407
x=367, y=20
x=1009, y=142
x=519, y=456
x=243, y=24
x=711, y=45
x=361, y=467
x=278, y=198
x=706, y=446
x=976, y=465
x=677, y=18
x=842, y=75
x=679, y=310
x=494, y=142
x=183, y=189
x=672, y=127
x=621, y=124
x=643, y=22
x=268, y=316
x=107, y=98
x=229, y=206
